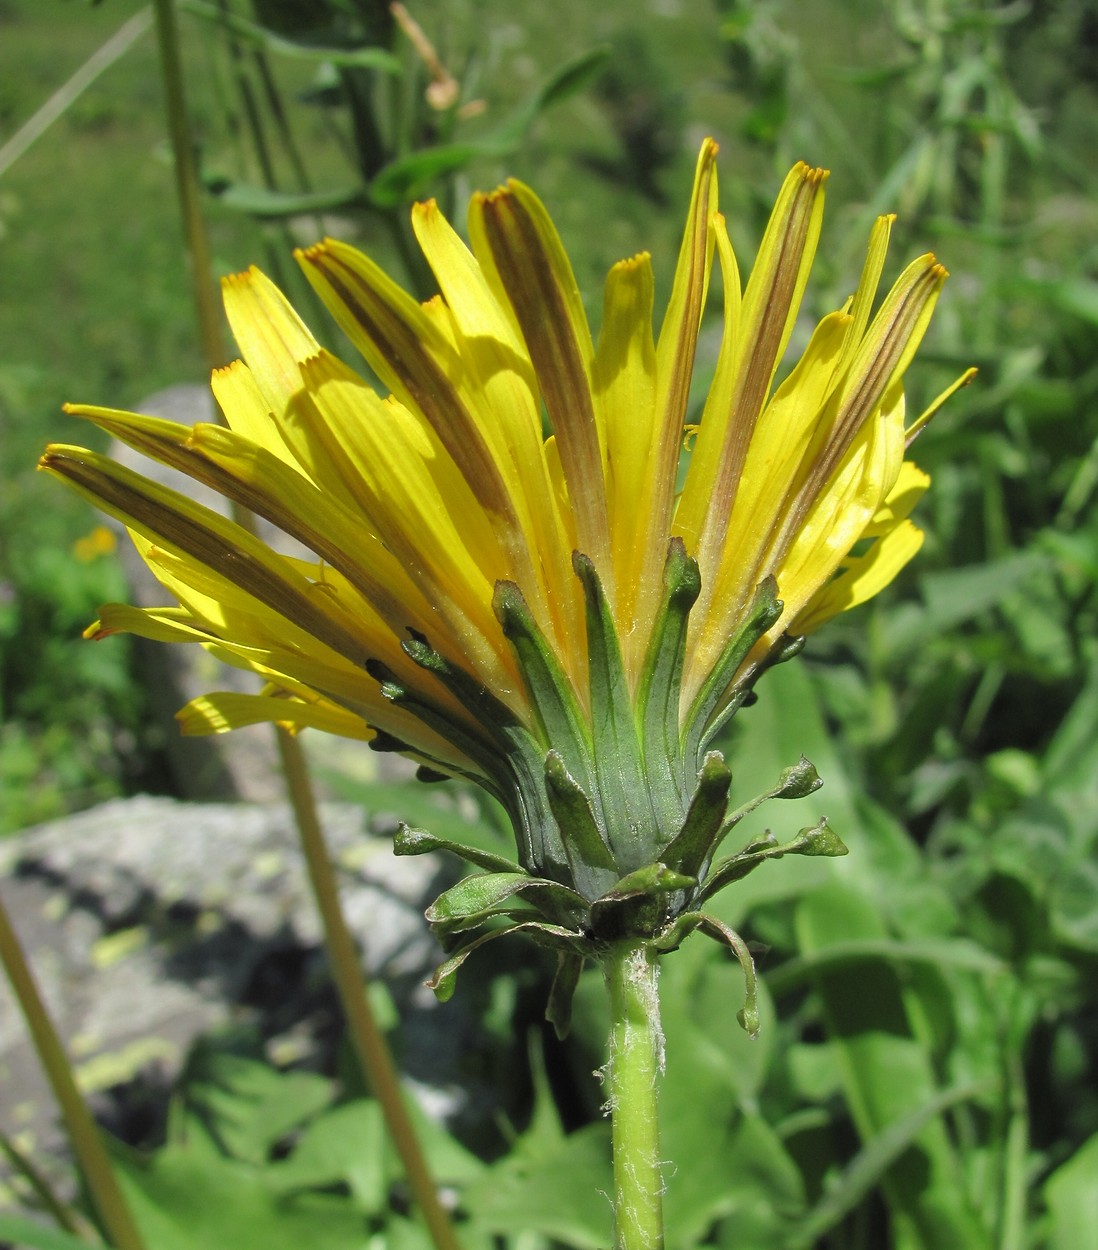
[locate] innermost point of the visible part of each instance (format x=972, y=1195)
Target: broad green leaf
x=1071, y=760
x=713, y=1070
x=250, y=1106
x=543, y=1166
x=449, y=1161
x=560, y=1191
x=566, y=80
x=730, y=1169
x=946, y=952
x=954, y=596
x=1078, y=296
x=786, y=719
x=183, y=1203
x=409, y=177
x=346, y=1144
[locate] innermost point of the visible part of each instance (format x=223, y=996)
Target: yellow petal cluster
x=505, y=438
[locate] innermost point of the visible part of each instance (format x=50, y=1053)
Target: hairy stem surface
x=635, y=1067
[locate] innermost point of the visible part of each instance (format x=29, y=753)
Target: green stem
x=635, y=1068
x=187, y=184
x=369, y=1042
x=87, y=1145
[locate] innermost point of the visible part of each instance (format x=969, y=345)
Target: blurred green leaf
x=264, y=203
x=407, y=177
x=957, y=595
x=888, y=1076
x=521, y=1193
x=1075, y=295
x=347, y=1143
x=947, y=952
x=449, y=1161
x=249, y=1105
x=870, y=1164
x=25, y=1232
x=269, y=41
x=524, y=1192
x=1072, y=1197
x=185, y=1203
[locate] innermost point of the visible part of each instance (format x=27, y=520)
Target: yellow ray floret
x=479, y=589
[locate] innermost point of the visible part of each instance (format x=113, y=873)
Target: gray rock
x=149, y=921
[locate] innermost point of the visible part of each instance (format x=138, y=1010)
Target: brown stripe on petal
x=893, y=329
x=532, y=278
x=120, y=493
x=271, y=489
x=409, y=366
x=279, y=494
x=896, y=331
x=764, y=341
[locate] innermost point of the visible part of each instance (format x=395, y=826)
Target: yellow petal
x=156, y=624
x=274, y=489
x=412, y=356
x=695, y=501
x=879, y=362
x=769, y=308
x=224, y=710
x=235, y=628
x=866, y=294
x=498, y=382
x=839, y=517
x=863, y=577
x=624, y=382
x=514, y=236
x=427, y=516
x=248, y=414
x=780, y=443
x=911, y=484
x=675, y=351
x=166, y=517
x=274, y=343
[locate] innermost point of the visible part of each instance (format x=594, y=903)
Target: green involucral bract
x=619, y=823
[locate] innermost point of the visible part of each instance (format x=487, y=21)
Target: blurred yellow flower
x=99, y=541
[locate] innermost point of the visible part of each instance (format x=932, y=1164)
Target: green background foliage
x=925, y=1076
